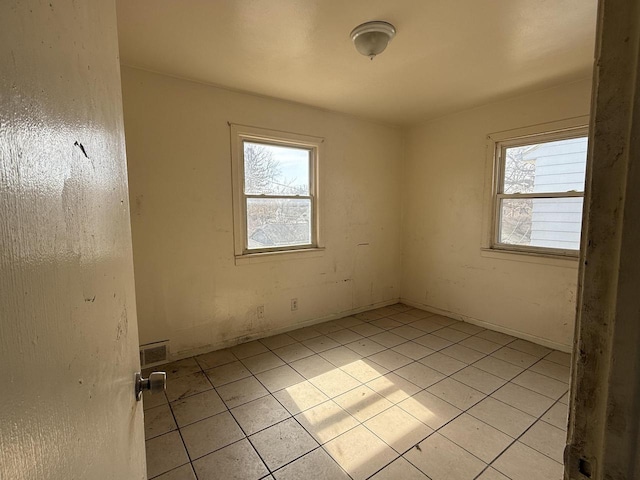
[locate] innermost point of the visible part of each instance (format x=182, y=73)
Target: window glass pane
x=278, y=222
x=541, y=222
x=557, y=166
x=275, y=170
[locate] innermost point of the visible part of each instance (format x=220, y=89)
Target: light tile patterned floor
x=393, y=393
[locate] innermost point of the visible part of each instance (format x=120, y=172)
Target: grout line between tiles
x=465, y=410
x=363, y=357
x=184, y=445
x=173, y=469
x=490, y=464
x=319, y=445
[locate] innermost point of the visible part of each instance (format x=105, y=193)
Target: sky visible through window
x=294, y=163
x=290, y=166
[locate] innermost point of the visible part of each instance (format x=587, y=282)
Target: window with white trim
x=275, y=190
x=539, y=191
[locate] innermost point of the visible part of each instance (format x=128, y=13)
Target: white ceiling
x=447, y=54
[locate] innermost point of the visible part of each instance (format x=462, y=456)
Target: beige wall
x=189, y=289
x=443, y=186
x=432, y=176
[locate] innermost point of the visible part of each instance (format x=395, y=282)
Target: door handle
x=157, y=382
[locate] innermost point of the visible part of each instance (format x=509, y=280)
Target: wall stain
x=122, y=329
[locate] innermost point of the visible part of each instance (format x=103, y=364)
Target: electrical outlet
x=294, y=304
x=260, y=311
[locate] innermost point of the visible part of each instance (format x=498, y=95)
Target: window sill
x=564, y=261
x=251, y=258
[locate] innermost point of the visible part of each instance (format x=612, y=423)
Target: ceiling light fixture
x=372, y=38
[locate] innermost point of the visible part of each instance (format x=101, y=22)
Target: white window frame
x=496, y=145
x=242, y=133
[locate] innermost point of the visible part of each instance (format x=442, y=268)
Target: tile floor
x=393, y=393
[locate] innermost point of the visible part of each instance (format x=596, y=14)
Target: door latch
x=157, y=382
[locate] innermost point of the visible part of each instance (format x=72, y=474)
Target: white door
x=68, y=330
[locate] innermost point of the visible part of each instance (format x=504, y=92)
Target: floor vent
x=155, y=353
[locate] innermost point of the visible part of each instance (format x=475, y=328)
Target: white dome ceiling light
x=372, y=38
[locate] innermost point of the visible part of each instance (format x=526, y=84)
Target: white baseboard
x=492, y=326
x=268, y=333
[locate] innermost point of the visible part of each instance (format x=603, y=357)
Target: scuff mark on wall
x=81, y=147
x=122, y=329
x=138, y=205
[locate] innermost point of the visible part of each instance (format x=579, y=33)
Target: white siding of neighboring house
x=560, y=167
